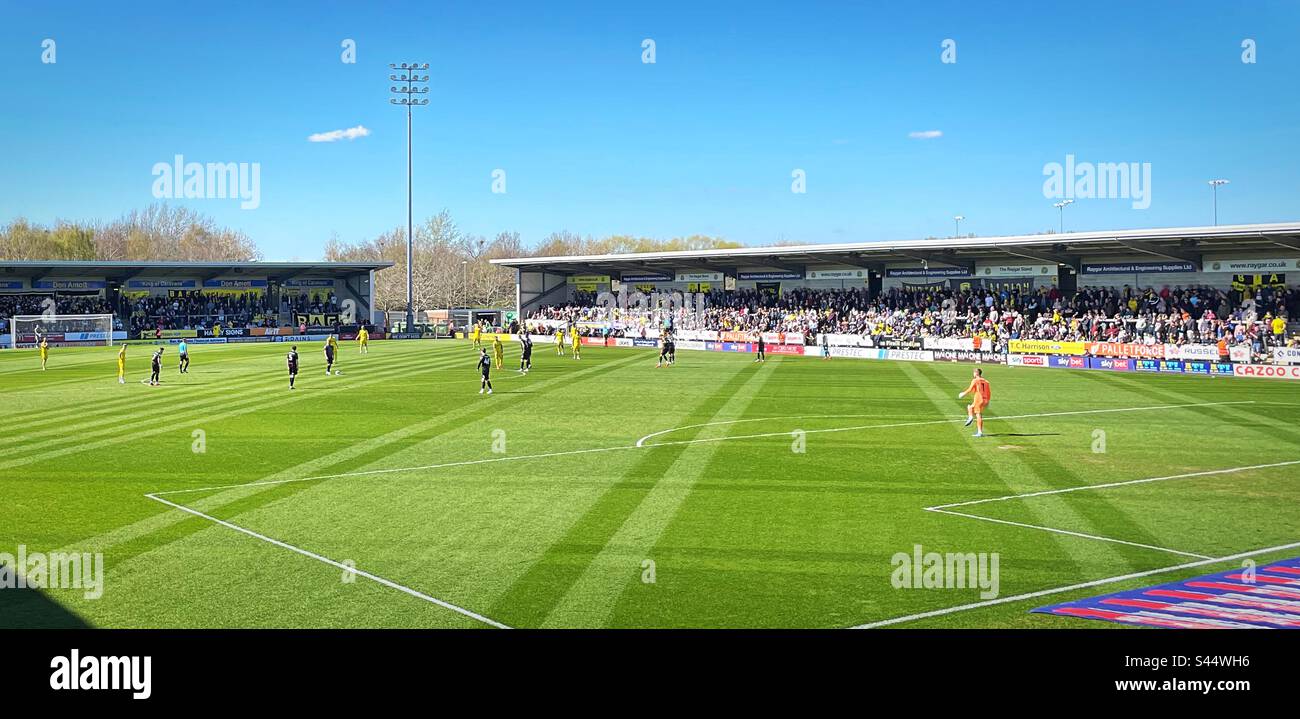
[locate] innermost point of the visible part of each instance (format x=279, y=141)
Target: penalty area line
x=1067, y=532
x=947, y=508
x=1081, y=585
x=354, y=570
x=1188, y=475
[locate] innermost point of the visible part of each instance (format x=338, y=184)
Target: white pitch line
x=392, y=470
x=545, y=455
x=1208, y=473
x=359, y=572
x=641, y=442
x=1081, y=585
x=157, y=496
x=938, y=421
x=1066, y=531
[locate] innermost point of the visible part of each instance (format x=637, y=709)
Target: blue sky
x=595, y=141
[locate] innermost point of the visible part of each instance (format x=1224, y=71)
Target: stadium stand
x=1205, y=288
x=182, y=300
x=1150, y=315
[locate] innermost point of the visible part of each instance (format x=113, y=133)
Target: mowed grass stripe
x=340, y=459
x=180, y=409
x=765, y=538
x=208, y=389
x=1239, y=417
x=49, y=389
x=249, y=506
x=1073, y=552
x=202, y=383
x=145, y=427
x=532, y=597
x=591, y=600
x=1065, y=511
x=237, y=502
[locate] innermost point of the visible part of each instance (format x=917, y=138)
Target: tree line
x=156, y=233
x=450, y=267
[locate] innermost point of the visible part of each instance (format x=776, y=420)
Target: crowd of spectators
x=1177, y=315
x=37, y=304
x=200, y=311
x=310, y=303
x=189, y=311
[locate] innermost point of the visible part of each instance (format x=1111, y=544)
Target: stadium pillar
x=875, y=283
x=1067, y=282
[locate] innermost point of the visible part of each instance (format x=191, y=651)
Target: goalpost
x=27, y=330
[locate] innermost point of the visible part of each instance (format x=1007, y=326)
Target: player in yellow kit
x=121, y=365
x=45, y=353
x=577, y=343
x=559, y=341
x=476, y=335
x=498, y=352
x=363, y=341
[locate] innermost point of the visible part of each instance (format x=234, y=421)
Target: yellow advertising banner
x=1046, y=347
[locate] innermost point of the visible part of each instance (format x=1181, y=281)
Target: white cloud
x=925, y=134
x=351, y=133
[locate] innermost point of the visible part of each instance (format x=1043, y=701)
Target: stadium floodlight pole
x=409, y=91
x=1061, y=206
x=1214, y=185
x=957, y=222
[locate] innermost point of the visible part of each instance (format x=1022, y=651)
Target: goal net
x=29, y=330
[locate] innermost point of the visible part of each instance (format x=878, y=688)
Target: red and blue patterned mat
x=1266, y=597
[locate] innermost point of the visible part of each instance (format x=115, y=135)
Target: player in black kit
x=666, y=352
x=485, y=365
x=329, y=355
x=156, y=368
x=292, y=359
x=525, y=353
x=762, y=349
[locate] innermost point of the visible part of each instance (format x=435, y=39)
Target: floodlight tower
x=1214, y=185
x=412, y=85
x=1061, y=206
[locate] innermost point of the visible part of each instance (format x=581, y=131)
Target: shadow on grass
x=33, y=609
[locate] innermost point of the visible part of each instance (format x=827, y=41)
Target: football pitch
x=608, y=493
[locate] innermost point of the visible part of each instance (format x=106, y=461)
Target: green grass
x=742, y=530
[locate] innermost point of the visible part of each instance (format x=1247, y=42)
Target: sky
x=861, y=101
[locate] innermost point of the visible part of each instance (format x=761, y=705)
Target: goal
x=27, y=330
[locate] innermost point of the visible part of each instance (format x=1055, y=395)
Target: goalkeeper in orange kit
x=980, y=394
